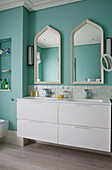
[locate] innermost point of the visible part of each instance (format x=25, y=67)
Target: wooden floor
x=45, y=157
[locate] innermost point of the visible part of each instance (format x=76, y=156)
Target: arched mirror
x=47, y=57
x=87, y=49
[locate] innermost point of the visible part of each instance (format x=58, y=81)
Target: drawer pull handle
x=32, y=121
x=83, y=127
x=83, y=105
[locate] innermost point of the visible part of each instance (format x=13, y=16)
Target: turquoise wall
x=49, y=60
x=64, y=19
x=87, y=57
x=24, y=48
x=11, y=26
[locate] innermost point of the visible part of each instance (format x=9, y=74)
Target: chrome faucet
x=87, y=94
x=48, y=92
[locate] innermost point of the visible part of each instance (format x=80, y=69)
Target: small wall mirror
x=87, y=49
x=47, y=57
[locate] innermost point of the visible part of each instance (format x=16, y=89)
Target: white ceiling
x=33, y=5
x=48, y=39
x=87, y=34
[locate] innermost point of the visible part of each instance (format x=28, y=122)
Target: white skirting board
x=12, y=138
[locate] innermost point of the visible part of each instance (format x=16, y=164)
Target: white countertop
x=66, y=100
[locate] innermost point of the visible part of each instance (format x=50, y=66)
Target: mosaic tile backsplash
x=97, y=92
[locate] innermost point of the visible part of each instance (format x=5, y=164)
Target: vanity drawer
x=85, y=137
x=86, y=115
x=38, y=131
x=37, y=111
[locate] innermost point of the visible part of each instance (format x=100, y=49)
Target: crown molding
x=51, y=3
x=10, y=4
x=33, y=5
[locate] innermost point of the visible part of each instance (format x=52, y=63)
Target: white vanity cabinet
x=66, y=123
x=37, y=120
x=38, y=111
x=94, y=115
x=85, y=125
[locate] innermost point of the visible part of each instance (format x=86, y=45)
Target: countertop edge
x=29, y=99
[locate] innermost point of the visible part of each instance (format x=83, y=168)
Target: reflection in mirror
x=47, y=66
x=87, y=48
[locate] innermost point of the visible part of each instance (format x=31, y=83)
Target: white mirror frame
x=35, y=57
x=72, y=52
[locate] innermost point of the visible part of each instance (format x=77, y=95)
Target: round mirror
x=106, y=62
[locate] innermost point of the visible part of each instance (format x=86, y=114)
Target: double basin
x=68, y=99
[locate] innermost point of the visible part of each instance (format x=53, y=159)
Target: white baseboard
x=12, y=138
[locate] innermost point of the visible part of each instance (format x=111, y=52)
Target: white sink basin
x=44, y=98
x=67, y=99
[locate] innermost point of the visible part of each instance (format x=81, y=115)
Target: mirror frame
x=35, y=57
x=73, y=81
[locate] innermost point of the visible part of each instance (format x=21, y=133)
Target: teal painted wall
x=49, y=60
x=65, y=19
x=87, y=57
x=11, y=26
x=24, y=48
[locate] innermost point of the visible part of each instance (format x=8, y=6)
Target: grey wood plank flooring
x=44, y=157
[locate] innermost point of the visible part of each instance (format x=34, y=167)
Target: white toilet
x=4, y=124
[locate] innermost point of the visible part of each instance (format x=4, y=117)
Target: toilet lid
x=1, y=121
